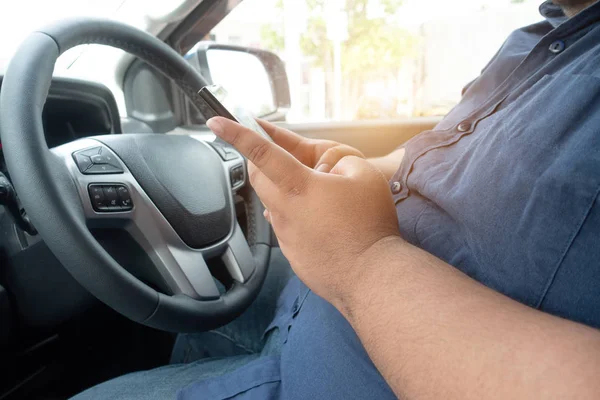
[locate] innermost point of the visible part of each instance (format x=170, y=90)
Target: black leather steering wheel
x=172, y=193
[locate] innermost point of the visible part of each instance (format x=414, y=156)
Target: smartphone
x=223, y=105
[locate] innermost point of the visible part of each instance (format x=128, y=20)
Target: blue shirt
x=505, y=188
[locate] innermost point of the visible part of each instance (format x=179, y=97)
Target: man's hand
x=431, y=331
x=318, y=154
x=325, y=222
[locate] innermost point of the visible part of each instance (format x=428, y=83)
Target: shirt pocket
x=259, y=379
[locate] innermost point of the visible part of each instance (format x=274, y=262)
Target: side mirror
x=256, y=78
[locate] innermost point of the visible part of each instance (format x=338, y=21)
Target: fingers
x=333, y=155
x=283, y=137
x=280, y=167
x=324, y=167
x=266, y=190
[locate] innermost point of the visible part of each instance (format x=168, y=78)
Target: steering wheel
x=174, y=194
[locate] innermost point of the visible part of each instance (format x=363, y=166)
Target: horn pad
x=184, y=178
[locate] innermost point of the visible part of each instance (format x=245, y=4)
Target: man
x=504, y=191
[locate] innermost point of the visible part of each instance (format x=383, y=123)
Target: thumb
x=351, y=166
x=333, y=155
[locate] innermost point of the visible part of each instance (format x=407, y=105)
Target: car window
x=376, y=59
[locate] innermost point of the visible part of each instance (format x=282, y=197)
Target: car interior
x=114, y=219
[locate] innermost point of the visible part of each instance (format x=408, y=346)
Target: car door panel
x=372, y=138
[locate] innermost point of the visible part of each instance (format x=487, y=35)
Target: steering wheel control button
x=125, y=201
x=105, y=157
x=110, y=197
x=226, y=153
x=557, y=46
x=91, y=152
x=237, y=176
x=98, y=198
x=97, y=160
x=103, y=169
x=230, y=154
x=83, y=162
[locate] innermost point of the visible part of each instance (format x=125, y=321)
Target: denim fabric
x=246, y=334
x=324, y=359
x=164, y=383
x=235, y=348
x=505, y=188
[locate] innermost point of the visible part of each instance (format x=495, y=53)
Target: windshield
x=24, y=17
x=92, y=62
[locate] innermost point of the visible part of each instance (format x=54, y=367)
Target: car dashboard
x=75, y=109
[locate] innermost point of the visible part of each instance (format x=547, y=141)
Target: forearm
x=435, y=333
x=388, y=164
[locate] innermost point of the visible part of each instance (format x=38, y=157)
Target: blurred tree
x=375, y=49
x=271, y=38
x=271, y=35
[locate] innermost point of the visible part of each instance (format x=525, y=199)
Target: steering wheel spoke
x=238, y=258
x=184, y=269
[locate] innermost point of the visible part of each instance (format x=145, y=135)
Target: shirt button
x=396, y=187
x=464, y=126
x=295, y=308
x=557, y=46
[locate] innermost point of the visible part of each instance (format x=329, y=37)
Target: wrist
x=371, y=267
x=389, y=164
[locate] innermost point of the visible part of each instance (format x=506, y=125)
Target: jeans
x=208, y=354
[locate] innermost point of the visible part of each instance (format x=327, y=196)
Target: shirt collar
x=553, y=13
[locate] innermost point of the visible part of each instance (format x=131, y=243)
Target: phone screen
x=239, y=113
